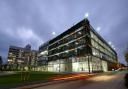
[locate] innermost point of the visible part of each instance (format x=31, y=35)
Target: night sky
x=35, y=21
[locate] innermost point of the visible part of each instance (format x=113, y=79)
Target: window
x=81, y=51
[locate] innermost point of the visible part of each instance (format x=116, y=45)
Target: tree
x=126, y=56
x=1, y=63
x=1, y=60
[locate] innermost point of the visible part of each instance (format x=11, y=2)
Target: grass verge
x=18, y=78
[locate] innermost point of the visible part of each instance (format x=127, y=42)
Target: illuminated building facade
x=43, y=57
x=20, y=58
x=79, y=49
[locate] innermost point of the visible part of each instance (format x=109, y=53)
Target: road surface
x=115, y=81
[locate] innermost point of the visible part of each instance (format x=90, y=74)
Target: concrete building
x=22, y=58
x=79, y=49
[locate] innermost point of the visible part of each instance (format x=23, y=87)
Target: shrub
x=126, y=80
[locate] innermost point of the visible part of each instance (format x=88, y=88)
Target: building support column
x=59, y=66
x=89, y=65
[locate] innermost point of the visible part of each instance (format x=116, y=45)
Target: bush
x=126, y=80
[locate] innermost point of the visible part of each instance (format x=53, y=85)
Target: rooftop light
x=112, y=46
x=98, y=29
x=86, y=15
x=110, y=43
x=53, y=33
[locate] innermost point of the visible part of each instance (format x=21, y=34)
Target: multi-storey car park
x=79, y=49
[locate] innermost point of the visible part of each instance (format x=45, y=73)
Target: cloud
x=33, y=21
x=25, y=34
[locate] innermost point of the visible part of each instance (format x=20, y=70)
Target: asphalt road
x=115, y=81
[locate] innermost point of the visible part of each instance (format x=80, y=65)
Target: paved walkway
x=3, y=73
x=115, y=81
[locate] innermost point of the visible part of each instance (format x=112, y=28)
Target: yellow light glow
x=102, y=78
x=72, y=77
x=75, y=66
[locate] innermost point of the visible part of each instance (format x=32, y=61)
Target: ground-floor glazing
x=77, y=64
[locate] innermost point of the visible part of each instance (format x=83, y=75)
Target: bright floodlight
x=53, y=33
x=98, y=29
x=112, y=46
x=110, y=43
x=86, y=15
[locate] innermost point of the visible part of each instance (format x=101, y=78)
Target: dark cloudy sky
x=33, y=21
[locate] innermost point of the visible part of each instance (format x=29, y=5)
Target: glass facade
x=79, y=49
x=101, y=49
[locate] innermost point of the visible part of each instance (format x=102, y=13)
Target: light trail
x=74, y=76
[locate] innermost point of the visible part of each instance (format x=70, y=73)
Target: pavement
x=3, y=73
x=115, y=81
